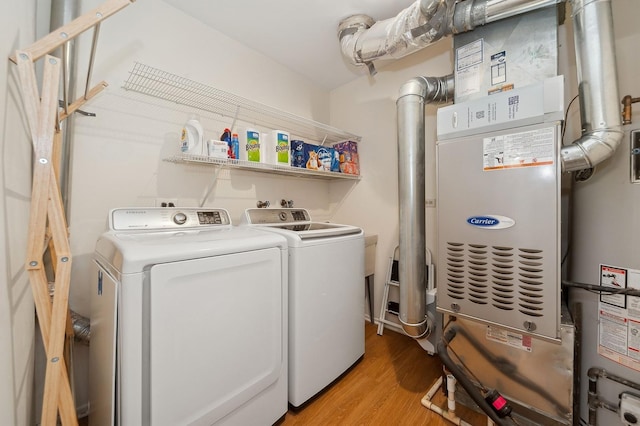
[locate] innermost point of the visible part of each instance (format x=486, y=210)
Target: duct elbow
x=349, y=32
x=424, y=22
x=429, y=89
x=416, y=86
x=591, y=149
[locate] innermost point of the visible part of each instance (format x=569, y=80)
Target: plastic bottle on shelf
x=191, y=140
x=226, y=137
x=235, y=146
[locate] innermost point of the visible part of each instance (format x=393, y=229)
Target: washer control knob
x=283, y=216
x=180, y=218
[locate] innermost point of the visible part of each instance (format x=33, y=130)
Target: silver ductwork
x=411, y=189
x=363, y=40
x=597, y=86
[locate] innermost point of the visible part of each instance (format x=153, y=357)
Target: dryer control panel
x=161, y=218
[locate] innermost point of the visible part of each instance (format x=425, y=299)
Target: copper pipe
x=626, y=108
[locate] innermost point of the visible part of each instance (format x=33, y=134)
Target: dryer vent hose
x=81, y=324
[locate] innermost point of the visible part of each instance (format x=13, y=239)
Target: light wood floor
x=384, y=388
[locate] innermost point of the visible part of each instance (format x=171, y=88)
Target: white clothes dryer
x=326, y=297
x=188, y=321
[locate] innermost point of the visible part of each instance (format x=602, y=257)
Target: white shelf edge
x=259, y=167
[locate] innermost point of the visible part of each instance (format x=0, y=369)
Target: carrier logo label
x=491, y=222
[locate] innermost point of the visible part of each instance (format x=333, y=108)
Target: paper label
x=524, y=149
x=619, y=317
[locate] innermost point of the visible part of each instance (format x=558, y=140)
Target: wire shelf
x=173, y=88
x=260, y=167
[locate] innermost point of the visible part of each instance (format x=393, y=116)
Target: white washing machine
x=188, y=321
x=326, y=297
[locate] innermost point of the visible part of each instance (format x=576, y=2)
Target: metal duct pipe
x=597, y=86
x=63, y=12
x=363, y=40
x=411, y=171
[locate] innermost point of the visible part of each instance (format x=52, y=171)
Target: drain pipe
x=449, y=413
x=411, y=186
x=597, y=86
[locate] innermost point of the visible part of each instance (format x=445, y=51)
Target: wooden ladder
x=47, y=223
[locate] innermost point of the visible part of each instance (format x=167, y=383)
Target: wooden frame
x=47, y=223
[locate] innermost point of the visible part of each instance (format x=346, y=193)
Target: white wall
x=17, y=29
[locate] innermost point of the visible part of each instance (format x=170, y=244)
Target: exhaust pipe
x=411, y=170
x=597, y=86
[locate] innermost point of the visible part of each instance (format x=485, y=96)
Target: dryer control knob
x=180, y=218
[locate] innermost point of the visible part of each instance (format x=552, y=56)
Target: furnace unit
x=499, y=247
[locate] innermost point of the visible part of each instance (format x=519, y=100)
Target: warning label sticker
x=619, y=317
x=524, y=149
x=509, y=338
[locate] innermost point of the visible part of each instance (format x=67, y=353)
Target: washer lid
x=295, y=224
x=311, y=230
x=132, y=250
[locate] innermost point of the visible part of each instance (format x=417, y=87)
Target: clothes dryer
x=188, y=321
x=326, y=297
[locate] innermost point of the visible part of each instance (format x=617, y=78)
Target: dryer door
x=216, y=335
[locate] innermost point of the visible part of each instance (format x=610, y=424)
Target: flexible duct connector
x=411, y=187
x=597, y=86
x=81, y=325
x=363, y=40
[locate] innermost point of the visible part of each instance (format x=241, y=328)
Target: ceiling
x=300, y=34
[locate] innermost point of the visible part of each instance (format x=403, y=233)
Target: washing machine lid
x=140, y=237
x=296, y=224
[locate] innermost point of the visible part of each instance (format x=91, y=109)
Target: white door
x=215, y=335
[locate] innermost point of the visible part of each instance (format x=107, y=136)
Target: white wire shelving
x=260, y=167
x=163, y=85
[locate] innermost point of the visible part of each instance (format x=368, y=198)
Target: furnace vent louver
x=505, y=278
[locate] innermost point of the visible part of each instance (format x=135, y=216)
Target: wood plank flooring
x=384, y=388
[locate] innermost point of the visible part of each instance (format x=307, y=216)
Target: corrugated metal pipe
x=364, y=40
x=411, y=188
x=597, y=86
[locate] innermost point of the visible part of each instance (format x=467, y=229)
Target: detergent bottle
x=191, y=139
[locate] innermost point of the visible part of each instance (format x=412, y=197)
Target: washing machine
x=188, y=321
x=326, y=297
